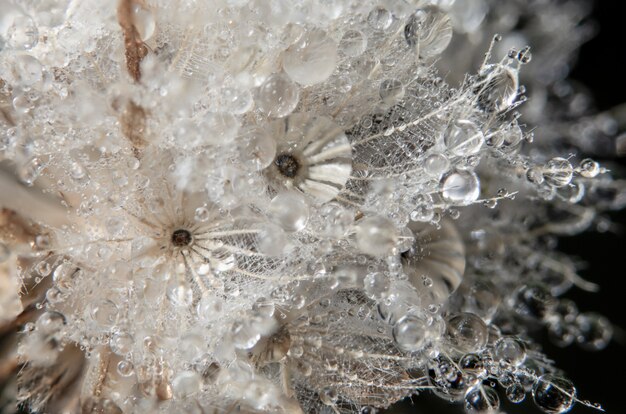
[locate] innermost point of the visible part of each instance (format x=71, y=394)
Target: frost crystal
x=305, y=206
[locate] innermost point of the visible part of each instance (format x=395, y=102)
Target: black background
x=599, y=376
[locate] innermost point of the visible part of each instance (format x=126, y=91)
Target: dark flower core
x=181, y=238
x=287, y=165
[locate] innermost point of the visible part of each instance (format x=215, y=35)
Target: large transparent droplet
x=257, y=149
x=510, y=350
x=554, y=394
x=278, y=96
x=186, y=384
x=290, y=211
x=463, y=138
x=497, y=88
x=312, y=59
x=391, y=91
x=466, y=332
x=558, y=172
x=22, y=33
x=482, y=399
x=410, y=333
x=379, y=18
x=353, y=43
x=144, y=22
x=428, y=31
x=27, y=70
x=376, y=236
x=460, y=187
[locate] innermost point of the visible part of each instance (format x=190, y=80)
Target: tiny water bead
x=22, y=33
x=290, y=211
x=515, y=393
x=353, y=43
x=428, y=31
x=589, y=168
x=554, y=394
x=463, y=138
x=391, y=91
x=312, y=59
x=278, y=96
x=497, y=89
x=144, y=22
x=376, y=236
x=511, y=350
x=379, y=18
x=466, y=332
x=482, y=399
x=257, y=149
x=460, y=187
x=558, y=172
x=410, y=333
x=181, y=238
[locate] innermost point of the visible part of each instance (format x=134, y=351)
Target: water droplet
x=554, y=394
x=410, y=333
x=482, y=399
x=460, y=187
x=589, y=168
x=558, y=172
x=125, y=368
x=144, y=22
x=353, y=43
x=30, y=171
x=27, y=70
x=379, y=18
x=209, y=307
x=290, y=211
x=428, y=31
x=515, y=393
x=436, y=165
x=180, y=295
x=511, y=350
x=391, y=91
x=463, y=138
x=376, y=236
x=497, y=88
x=257, y=149
x=23, y=33
x=186, y=384
x=278, y=96
x=594, y=331
x=121, y=343
x=312, y=59
x=272, y=240
x=329, y=396
x=466, y=332
x=376, y=285
x=202, y=214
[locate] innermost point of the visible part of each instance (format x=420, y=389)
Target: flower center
x=181, y=238
x=287, y=165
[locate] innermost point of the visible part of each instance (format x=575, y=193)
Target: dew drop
x=278, y=96
x=460, y=187
x=463, y=138
x=554, y=394
x=353, y=43
x=376, y=236
x=428, y=31
x=410, y=333
x=379, y=18
x=312, y=59
x=558, y=172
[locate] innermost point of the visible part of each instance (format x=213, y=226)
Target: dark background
x=598, y=376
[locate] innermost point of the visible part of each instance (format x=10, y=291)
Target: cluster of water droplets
x=281, y=206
